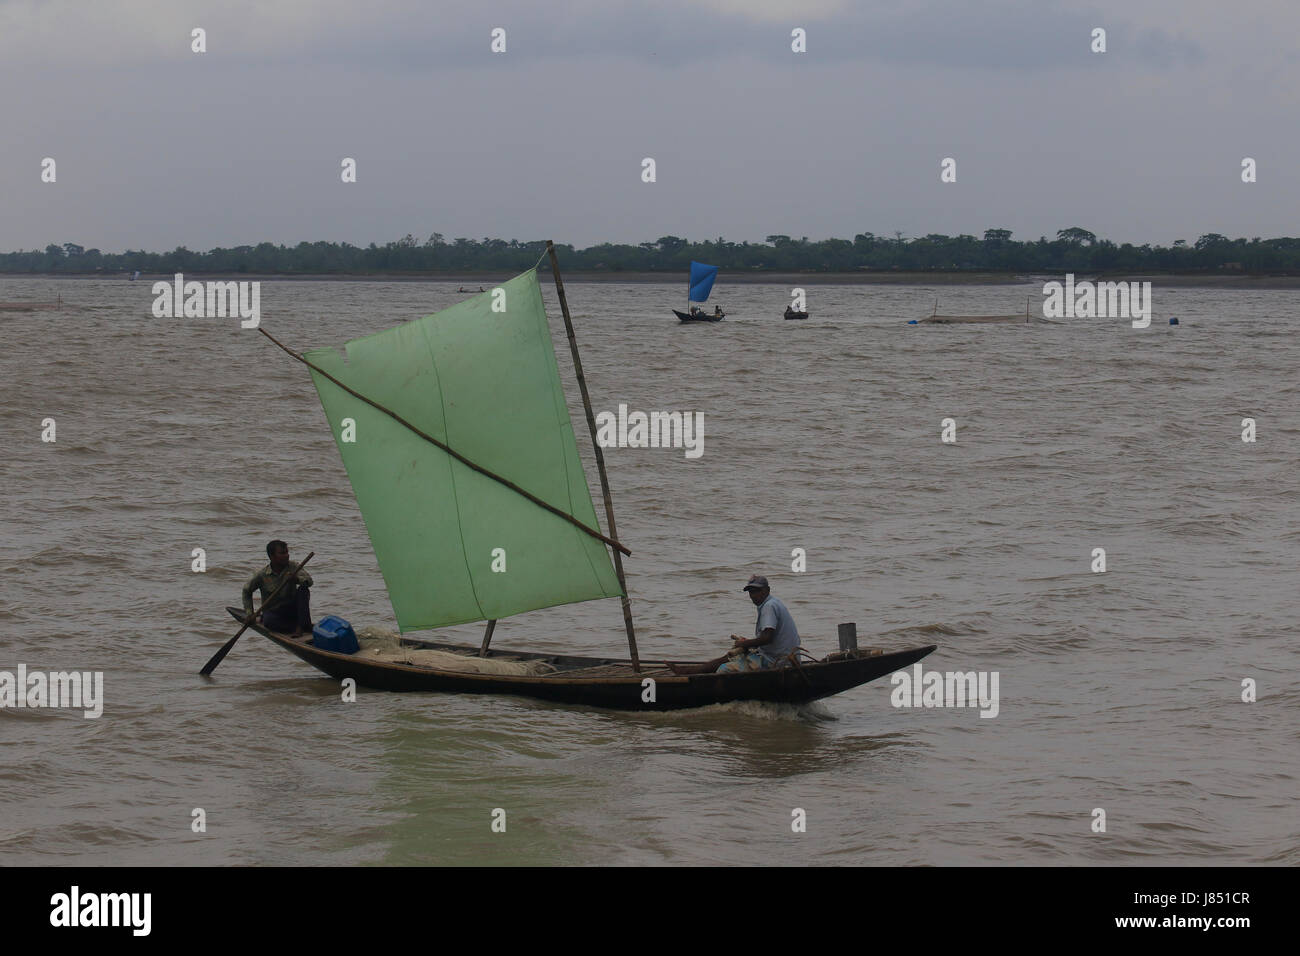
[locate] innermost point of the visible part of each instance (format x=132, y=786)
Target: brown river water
x=1119, y=691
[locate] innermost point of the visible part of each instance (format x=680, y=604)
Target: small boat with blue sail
x=697, y=290
x=457, y=472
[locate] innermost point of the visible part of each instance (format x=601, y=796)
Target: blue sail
x=702, y=277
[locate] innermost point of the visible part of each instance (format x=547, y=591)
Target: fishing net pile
x=378, y=643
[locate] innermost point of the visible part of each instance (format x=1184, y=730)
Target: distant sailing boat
x=697, y=290
x=461, y=475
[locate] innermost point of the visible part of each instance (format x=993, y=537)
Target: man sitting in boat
x=775, y=637
x=789, y=312
x=289, y=612
x=717, y=310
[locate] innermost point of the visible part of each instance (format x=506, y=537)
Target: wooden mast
x=600, y=457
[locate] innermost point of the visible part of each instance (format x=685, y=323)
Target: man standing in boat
x=775, y=637
x=289, y=612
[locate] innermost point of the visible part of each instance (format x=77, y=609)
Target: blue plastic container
x=335, y=634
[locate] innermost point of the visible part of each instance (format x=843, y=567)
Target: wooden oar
x=218, y=657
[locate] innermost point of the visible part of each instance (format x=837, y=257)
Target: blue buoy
x=1174, y=320
x=911, y=321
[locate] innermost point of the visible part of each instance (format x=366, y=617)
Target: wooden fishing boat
x=602, y=681
x=700, y=317
x=698, y=287
x=477, y=505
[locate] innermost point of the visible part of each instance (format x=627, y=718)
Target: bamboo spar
x=600, y=457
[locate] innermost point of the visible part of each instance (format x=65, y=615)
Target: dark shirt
x=267, y=580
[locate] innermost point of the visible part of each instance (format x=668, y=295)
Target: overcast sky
x=157, y=146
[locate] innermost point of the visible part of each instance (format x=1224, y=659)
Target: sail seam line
x=460, y=525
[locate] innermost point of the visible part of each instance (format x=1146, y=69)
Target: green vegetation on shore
x=1073, y=250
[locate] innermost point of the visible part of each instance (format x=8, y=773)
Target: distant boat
x=792, y=314
x=697, y=290
x=699, y=316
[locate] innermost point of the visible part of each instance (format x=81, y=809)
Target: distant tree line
x=1073, y=250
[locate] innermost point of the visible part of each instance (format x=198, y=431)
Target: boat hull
x=687, y=317
x=789, y=685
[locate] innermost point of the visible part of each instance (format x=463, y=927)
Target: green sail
x=485, y=384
